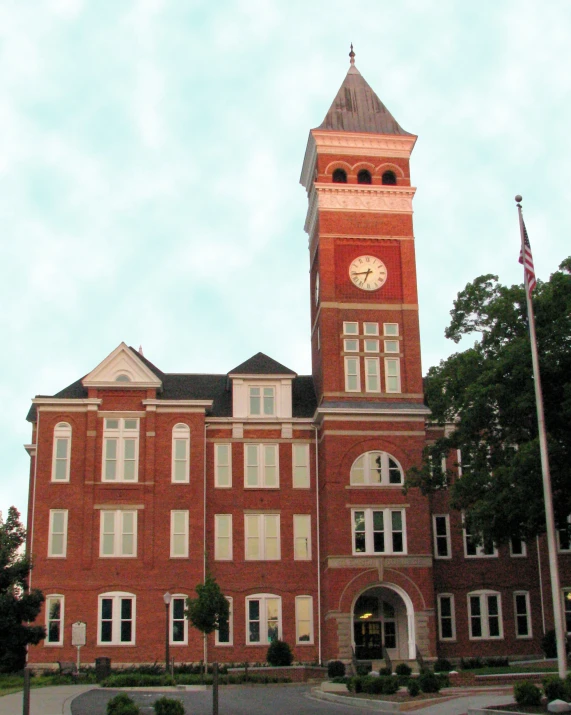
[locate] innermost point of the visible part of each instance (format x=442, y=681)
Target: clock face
x=368, y=272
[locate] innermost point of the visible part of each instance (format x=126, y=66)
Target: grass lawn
x=517, y=668
x=14, y=683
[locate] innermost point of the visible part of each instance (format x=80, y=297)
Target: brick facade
x=105, y=542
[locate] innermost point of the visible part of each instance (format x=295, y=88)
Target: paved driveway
x=234, y=700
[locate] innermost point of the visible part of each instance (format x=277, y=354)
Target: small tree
x=18, y=606
x=209, y=609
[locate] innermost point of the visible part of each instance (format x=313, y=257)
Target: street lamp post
x=167, y=598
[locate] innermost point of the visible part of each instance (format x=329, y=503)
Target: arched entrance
x=383, y=617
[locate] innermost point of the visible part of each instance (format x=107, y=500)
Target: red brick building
x=287, y=488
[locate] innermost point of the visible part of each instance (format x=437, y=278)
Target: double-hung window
x=392, y=375
x=223, y=537
x=522, y=613
x=118, y=533
x=57, y=537
x=446, y=617
x=178, y=622
x=473, y=549
x=485, y=615
x=225, y=632
x=379, y=531
x=180, y=453
x=262, y=401
x=120, y=449
x=303, y=619
x=441, y=529
x=61, y=452
x=376, y=469
x=116, y=619
x=372, y=375
x=262, y=537
x=263, y=618
x=179, y=534
x=261, y=465
x=352, y=375
x=518, y=547
x=54, y=620
x=302, y=537
x=300, y=466
x=223, y=466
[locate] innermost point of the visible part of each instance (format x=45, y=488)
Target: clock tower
x=375, y=541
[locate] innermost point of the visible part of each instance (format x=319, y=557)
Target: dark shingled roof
x=260, y=364
x=177, y=386
x=356, y=108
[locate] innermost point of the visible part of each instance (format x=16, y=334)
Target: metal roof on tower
x=356, y=108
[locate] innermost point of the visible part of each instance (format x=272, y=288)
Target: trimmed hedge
x=526, y=693
x=374, y=684
x=136, y=680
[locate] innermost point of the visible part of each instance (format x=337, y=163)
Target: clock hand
x=355, y=273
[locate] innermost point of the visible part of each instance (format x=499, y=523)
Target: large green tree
x=486, y=396
x=18, y=605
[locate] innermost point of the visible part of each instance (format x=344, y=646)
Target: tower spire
x=352, y=55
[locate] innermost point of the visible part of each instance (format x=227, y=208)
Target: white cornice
x=264, y=378
x=31, y=449
x=420, y=411
x=179, y=403
x=382, y=145
x=71, y=401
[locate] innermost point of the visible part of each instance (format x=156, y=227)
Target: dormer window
x=262, y=401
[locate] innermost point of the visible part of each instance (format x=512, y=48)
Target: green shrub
x=341, y=679
x=443, y=679
x=122, y=705
x=335, y=669
x=363, y=669
x=429, y=683
x=442, y=665
x=390, y=685
x=372, y=684
x=355, y=685
x=413, y=687
x=134, y=680
x=526, y=693
x=554, y=688
x=279, y=653
x=385, y=671
x=471, y=663
x=403, y=669
x=168, y=706
x=496, y=662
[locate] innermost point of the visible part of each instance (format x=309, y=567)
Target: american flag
x=526, y=259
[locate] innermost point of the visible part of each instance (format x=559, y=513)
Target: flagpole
x=560, y=635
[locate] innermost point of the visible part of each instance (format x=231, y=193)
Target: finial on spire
x=352, y=55
x=140, y=350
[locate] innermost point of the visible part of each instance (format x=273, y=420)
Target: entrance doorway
x=382, y=618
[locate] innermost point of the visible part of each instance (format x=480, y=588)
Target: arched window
x=180, y=453
x=61, y=452
x=376, y=469
x=364, y=177
x=339, y=176
x=389, y=178
x=122, y=378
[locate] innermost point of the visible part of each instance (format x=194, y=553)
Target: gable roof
x=260, y=364
x=356, y=108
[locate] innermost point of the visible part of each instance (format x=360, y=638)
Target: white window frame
x=300, y=479
x=220, y=463
x=526, y=615
x=179, y=533
x=369, y=470
x=301, y=523
x=184, y=641
x=370, y=329
x=181, y=435
x=263, y=599
x=217, y=537
x=523, y=550
x=452, y=616
x=347, y=342
x=397, y=377
x=261, y=536
x=118, y=533
x=347, y=330
x=391, y=330
x=117, y=597
x=480, y=550
x=120, y=435
x=298, y=601
x=49, y=598
x=262, y=398
x=565, y=549
x=63, y=434
x=261, y=465
x=371, y=345
x=387, y=347
x=52, y=533
x=439, y=537
x=356, y=374
x=230, y=640
x=484, y=597
x=387, y=531
x=372, y=376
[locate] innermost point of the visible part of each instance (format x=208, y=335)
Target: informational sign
x=78, y=635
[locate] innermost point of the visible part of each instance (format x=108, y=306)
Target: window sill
x=480, y=556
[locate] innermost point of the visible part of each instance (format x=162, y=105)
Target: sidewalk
x=44, y=701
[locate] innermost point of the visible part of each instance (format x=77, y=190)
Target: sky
x=150, y=155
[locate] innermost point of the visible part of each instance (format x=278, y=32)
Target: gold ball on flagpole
x=518, y=198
